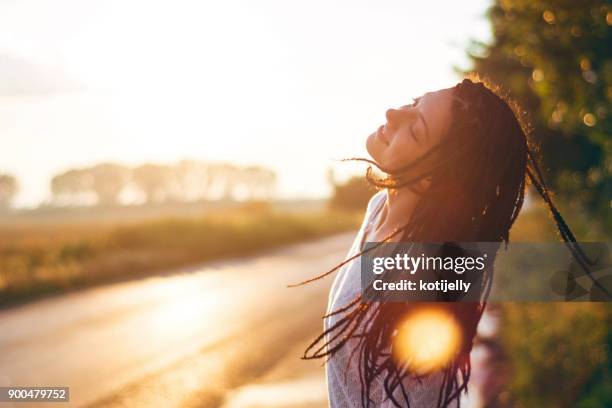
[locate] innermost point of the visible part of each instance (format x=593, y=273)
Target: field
x=44, y=258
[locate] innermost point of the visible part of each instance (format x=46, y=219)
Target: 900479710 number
x=39, y=394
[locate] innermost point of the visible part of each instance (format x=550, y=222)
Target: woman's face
x=411, y=130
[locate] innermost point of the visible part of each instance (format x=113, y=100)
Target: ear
x=425, y=183
x=422, y=186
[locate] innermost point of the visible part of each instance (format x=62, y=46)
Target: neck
x=399, y=207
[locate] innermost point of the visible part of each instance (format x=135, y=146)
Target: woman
x=457, y=161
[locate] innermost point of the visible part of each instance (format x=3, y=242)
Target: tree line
x=107, y=184
x=187, y=180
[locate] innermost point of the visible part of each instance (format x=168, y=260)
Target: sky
x=291, y=85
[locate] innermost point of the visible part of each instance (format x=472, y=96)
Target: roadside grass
x=37, y=260
x=555, y=354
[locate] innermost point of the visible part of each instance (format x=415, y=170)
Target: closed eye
x=415, y=102
x=412, y=133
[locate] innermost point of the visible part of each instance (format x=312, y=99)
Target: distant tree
x=193, y=179
x=554, y=57
x=350, y=195
x=154, y=180
x=258, y=181
x=109, y=180
x=70, y=186
x=227, y=177
x=184, y=181
x=8, y=189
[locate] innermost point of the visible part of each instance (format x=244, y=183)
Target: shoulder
x=375, y=201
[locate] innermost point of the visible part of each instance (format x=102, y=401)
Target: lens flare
x=427, y=339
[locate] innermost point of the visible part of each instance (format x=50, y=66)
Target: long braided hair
x=478, y=177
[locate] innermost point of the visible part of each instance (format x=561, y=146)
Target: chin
x=371, y=146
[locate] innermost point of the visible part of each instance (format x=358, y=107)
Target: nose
x=398, y=115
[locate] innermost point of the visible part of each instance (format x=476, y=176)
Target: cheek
x=402, y=151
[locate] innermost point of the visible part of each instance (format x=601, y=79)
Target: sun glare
x=163, y=81
x=427, y=339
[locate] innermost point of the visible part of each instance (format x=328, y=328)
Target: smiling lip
x=381, y=136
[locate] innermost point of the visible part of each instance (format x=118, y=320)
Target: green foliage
x=555, y=354
x=554, y=58
x=555, y=351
